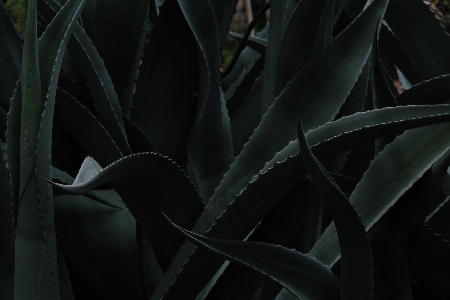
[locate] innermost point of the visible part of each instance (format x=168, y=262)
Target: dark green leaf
x=308, y=32
x=247, y=117
x=117, y=30
x=244, y=64
x=10, y=57
x=276, y=29
x=86, y=128
x=210, y=147
x=391, y=266
x=237, y=93
x=147, y=181
x=302, y=275
x=165, y=113
x=356, y=254
x=224, y=9
x=36, y=273
x=83, y=227
x=421, y=36
x=429, y=260
x=264, y=191
x=395, y=171
x=316, y=86
x=97, y=78
x=433, y=91
x=65, y=286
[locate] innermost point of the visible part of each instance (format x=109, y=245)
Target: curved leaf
x=236, y=94
x=86, y=129
x=260, y=196
x=163, y=112
x=36, y=272
x=101, y=242
x=276, y=29
x=247, y=117
x=395, y=171
x=421, y=37
x=303, y=276
x=100, y=85
x=225, y=10
x=433, y=91
x=315, y=85
x=10, y=57
x=244, y=64
x=210, y=148
x=356, y=261
x=307, y=33
x=265, y=189
x=117, y=29
x=147, y=181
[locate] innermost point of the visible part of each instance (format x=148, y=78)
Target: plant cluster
x=299, y=172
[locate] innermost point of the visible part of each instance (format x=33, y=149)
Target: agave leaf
x=256, y=43
x=355, y=101
x=224, y=9
x=244, y=64
x=65, y=178
x=305, y=277
x=162, y=112
x=13, y=146
x=356, y=254
x=113, y=28
x=296, y=216
x=429, y=260
x=395, y=170
x=10, y=57
x=298, y=45
x=65, y=286
x=147, y=181
x=248, y=116
x=391, y=266
x=380, y=94
x=6, y=235
x=278, y=122
x=276, y=29
x=86, y=129
x=100, y=85
x=36, y=257
x=139, y=141
x=438, y=87
x=421, y=36
x=260, y=196
x=210, y=147
x=419, y=201
x=83, y=227
x=237, y=93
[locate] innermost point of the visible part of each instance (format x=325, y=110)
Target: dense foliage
x=298, y=173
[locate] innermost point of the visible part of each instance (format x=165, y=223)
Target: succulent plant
x=300, y=172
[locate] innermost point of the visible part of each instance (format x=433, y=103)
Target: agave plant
x=300, y=172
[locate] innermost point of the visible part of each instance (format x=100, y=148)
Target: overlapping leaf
x=304, y=276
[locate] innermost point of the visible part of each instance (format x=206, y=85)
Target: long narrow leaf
x=305, y=277
x=357, y=262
